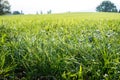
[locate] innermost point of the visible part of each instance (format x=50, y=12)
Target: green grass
x=71, y=46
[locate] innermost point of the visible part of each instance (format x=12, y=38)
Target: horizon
x=56, y=6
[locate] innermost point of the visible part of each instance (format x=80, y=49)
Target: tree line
x=105, y=6
x=5, y=9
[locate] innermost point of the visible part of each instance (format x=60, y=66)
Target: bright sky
x=57, y=6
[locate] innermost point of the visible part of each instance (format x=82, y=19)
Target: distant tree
x=4, y=7
x=49, y=12
x=41, y=12
x=106, y=6
x=21, y=12
x=37, y=12
x=16, y=12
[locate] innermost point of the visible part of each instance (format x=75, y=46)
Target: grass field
x=71, y=46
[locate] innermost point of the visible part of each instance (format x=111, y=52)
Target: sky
x=57, y=6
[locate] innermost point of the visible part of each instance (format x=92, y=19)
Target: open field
x=71, y=46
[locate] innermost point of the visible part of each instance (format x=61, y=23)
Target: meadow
x=69, y=46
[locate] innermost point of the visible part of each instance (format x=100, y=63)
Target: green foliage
x=16, y=12
x=106, y=6
x=4, y=7
x=77, y=46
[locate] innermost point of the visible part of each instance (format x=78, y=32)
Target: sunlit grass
x=71, y=46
